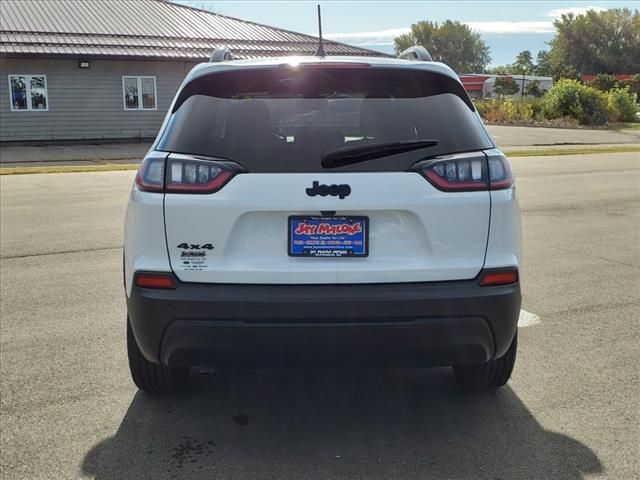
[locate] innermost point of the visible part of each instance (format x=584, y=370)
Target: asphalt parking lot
x=69, y=409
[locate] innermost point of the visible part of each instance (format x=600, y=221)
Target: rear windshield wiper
x=349, y=155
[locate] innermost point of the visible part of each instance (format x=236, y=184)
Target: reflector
x=499, y=277
x=155, y=280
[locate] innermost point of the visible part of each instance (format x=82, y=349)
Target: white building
x=523, y=81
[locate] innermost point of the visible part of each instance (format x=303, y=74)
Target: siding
x=86, y=103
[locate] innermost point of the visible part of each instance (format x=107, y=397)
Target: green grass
x=107, y=167
x=546, y=152
x=626, y=126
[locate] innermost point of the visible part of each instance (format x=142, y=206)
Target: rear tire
x=152, y=377
x=489, y=375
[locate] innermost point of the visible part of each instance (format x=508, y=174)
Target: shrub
x=527, y=112
x=570, y=98
x=482, y=106
x=622, y=105
x=633, y=84
x=505, y=110
x=604, y=82
x=536, y=108
x=524, y=111
x=494, y=111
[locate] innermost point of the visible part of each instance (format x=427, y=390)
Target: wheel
x=489, y=375
x=149, y=376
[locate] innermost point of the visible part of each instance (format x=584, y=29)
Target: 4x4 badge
x=341, y=191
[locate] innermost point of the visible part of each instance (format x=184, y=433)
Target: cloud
x=558, y=12
x=385, y=37
x=545, y=26
x=512, y=27
x=382, y=37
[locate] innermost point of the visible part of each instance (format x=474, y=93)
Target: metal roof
x=155, y=29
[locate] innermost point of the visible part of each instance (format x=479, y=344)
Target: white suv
x=328, y=211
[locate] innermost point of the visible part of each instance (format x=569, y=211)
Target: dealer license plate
x=337, y=236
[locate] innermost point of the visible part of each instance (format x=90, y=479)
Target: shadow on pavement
x=308, y=424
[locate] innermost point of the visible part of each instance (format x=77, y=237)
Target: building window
x=28, y=93
x=139, y=93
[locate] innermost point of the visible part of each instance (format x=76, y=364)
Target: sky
x=507, y=27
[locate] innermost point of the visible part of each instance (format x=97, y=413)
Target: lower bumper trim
x=422, y=324
x=423, y=342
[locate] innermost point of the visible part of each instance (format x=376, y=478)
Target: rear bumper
x=404, y=324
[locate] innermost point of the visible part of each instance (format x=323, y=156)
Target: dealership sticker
x=193, y=256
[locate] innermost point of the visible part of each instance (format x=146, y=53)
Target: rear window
x=283, y=119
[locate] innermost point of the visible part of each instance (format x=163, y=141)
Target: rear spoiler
x=229, y=82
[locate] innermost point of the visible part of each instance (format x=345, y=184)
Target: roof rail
x=221, y=54
x=417, y=52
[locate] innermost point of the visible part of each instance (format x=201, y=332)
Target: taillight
x=186, y=175
x=499, y=277
x=174, y=173
x=468, y=172
x=150, y=177
x=457, y=174
x=500, y=176
x=155, y=280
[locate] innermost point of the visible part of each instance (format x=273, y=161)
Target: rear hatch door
x=276, y=125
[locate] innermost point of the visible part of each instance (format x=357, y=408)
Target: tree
x=499, y=70
x=533, y=89
x=543, y=64
x=450, y=42
x=505, y=86
x=523, y=64
x=597, y=42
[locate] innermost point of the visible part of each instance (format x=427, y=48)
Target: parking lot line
x=527, y=319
